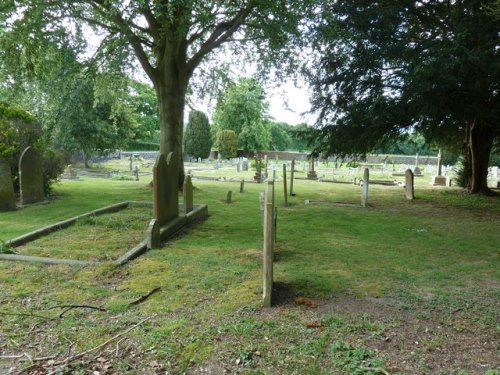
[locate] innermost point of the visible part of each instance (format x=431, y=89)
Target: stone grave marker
x=238, y=167
x=242, y=186
x=136, y=173
x=268, y=246
x=229, y=196
x=30, y=177
x=7, y=196
x=284, y=185
x=409, y=182
x=311, y=174
x=364, y=189
x=292, y=172
x=439, y=179
x=165, y=197
x=245, y=165
x=153, y=235
x=188, y=194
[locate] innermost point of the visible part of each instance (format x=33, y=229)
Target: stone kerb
x=364, y=189
x=30, y=177
x=188, y=194
x=268, y=246
x=409, y=185
x=7, y=196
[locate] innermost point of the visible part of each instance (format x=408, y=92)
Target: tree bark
x=171, y=87
x=479, y=144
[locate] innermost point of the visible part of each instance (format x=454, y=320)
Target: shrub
x=228, y=144
x=198, y=140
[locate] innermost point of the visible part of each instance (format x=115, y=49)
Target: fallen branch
x=145, y=297
x=81, y=354
x=71, y=307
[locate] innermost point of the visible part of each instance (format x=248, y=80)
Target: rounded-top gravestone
x=30, y=177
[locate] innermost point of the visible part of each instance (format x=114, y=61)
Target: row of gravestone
x=30, y=181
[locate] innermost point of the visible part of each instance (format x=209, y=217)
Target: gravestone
x=242, y=186
x=238, y=167
x=7, y=196
x=284, y=185
x=292, y=172
x=439, y=179
x=30, y=177
x=188, y=194
x=409, y=182
x=153, y=235
x=245, y=165
x=229, y=196
x=311, y=174
x=136, y=173
x=364, y=189
x=267, y=287
x=165, y=196
x=258, y=170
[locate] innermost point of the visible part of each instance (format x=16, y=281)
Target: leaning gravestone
x=409, y=182
x=268, y=245
x=7, y=197
x=229, y=196
x=30, y=177
x=188, y=194
x=364, y=189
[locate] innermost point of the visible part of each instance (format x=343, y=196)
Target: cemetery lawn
x=399, y=287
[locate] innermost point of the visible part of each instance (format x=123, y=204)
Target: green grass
x=385, y=277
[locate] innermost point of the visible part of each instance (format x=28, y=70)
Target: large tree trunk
x=171, y=87
x=479, y=143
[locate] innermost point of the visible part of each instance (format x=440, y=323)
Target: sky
x=288, y=104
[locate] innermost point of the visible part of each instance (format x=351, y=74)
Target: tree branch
x=222, y=32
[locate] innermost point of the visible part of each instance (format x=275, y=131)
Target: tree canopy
x=169, y=39
x=382, y=70
x=243, y=108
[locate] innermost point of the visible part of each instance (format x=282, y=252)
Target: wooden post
x=292, y=172
x=284, y=185
x=268, y=246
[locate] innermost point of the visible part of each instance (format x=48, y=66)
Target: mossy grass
x=384, y=277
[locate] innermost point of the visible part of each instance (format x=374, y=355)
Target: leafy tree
x=388, y=68
x=198, y=141
x=228, y=143
x=243, y=109
x=170, y=39
x=18, y=130
x=142, y=99
x=280, y=139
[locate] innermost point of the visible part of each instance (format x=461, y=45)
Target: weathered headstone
x=188, y=194
x=439, y=179
x=165, y=197
x=292, y=172
x=285, y=194
x=245, y=165
x=268, y=246
x=242, y=186
x=30, y=177
x=311, y=174
x=409, y=185
x=238, y=167
x=364, y=189
x=153, y=235
x=229, y=196
x=136, y=173
x=7, y=197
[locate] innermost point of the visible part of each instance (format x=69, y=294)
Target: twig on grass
x=144, y=297
x=376, y=369
x=81, y=354
x=71, y=307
